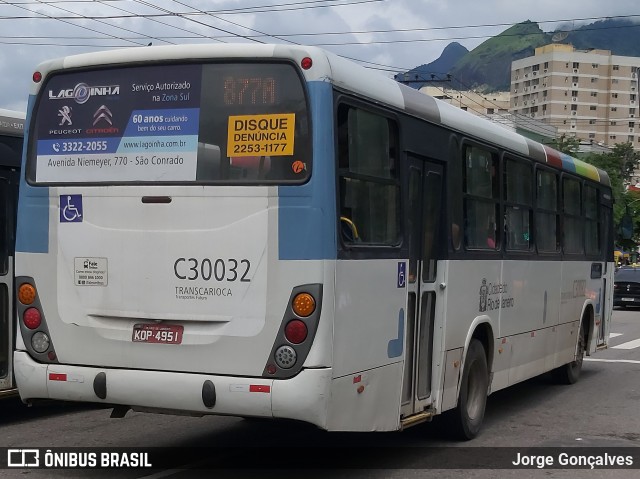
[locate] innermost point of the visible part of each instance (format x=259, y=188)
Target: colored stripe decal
x=553, y=157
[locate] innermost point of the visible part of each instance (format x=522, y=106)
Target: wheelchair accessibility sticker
x=70, y=208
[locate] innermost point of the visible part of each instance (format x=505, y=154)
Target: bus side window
x=369, y=190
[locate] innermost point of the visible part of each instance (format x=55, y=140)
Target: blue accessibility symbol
x=402, y=274
x=70, y=208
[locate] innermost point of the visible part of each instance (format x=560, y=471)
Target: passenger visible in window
x=491, y=235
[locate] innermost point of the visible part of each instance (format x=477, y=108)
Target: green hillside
x=488, y=66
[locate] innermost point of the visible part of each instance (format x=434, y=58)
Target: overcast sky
x=35, y=30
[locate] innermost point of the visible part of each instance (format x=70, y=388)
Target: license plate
x=157, y=333
x=628, y=299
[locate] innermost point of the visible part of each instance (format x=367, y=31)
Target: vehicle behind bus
x=11, y=138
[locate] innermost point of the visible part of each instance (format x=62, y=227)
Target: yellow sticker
x=261, y=135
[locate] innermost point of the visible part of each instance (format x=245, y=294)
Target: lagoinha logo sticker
x=82, y=92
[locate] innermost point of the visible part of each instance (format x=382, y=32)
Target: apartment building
x=591, y=95
x=495, y=107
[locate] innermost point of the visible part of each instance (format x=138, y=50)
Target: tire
x=570, y=372
x=465, y=421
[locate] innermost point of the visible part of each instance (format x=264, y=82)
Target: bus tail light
x=40, y=342
x=32, y=318
x=26, y=293
x=286, y=357
x=32, y=321
x=297, y=330
x=304, y=304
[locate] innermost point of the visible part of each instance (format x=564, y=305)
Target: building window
x=574, y=79
x=592, y=122
x=594, y=93
x=546, y=64
x=594, y=65
x=612, y=137
x=574, y=107
x=574, y=93
x=633, y=97
x=594, y=80
x=576, y=65
x=613, y=108
x=535, y=68
x=630, y=138
x=616, y=67
x=614, y=80
x=632, y=124
x=632, y=111
x=592, y=108
x=614, y=95
x=592, y=135
x=490, y=111
x=613, y=123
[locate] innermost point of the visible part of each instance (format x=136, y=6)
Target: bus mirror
x=626, y=227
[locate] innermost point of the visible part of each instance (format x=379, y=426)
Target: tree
x=566, y=144
x=628, y=159
x=620, y=165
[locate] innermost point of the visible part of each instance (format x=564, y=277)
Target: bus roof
x=346, y=74
x=11, y=122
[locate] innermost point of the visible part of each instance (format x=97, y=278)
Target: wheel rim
x=475, y=391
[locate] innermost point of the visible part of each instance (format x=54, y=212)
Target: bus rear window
x=230, y=123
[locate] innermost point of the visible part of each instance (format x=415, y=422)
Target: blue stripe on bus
x=306, y=214
x=32, y=235
x=568, y=163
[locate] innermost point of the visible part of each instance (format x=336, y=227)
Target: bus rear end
x=159, y=200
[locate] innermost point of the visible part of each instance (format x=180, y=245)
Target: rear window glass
x=242, y=123
x=631, y=274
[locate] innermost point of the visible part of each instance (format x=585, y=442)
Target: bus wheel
x=570, y=373
x=465, y=421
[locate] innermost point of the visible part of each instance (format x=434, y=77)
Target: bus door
x=603, y=296
x=424, y=212
x=8, y=205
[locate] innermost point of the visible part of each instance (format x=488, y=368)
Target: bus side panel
x=471, y=292
x=369, y=328
x=366, y=401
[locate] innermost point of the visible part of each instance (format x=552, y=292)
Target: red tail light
x=32, y=318
x=295, y=331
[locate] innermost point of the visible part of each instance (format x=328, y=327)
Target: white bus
x=11, y=138
x=273, y=231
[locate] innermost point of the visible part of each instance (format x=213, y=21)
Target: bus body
x=11, y=138
x=273, y=231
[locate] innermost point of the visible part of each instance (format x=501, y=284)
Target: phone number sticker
x=264, y=135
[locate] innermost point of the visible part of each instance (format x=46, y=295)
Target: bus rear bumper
x=303, y=397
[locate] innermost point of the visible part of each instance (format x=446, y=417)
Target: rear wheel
x=464, y=422
x=570, y=372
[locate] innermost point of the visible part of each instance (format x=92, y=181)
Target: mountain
x=488, y=66
x=451, y=54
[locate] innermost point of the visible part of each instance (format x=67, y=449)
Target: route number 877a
x=207, y=269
